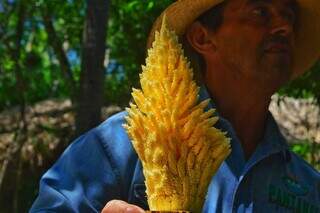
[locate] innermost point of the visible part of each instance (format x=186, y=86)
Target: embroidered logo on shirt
x=290, y=200
x=294, y=187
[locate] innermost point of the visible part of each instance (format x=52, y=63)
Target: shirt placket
x=270, y=145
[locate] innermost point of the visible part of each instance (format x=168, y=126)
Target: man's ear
x=199, y=38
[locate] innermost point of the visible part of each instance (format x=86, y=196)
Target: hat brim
x=182, y=13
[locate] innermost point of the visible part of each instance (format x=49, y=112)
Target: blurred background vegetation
x=67, y=65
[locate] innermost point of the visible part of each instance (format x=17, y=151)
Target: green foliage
x=307, y=150
x=129, y=26
x=302, y=149
x=306, y=86
x=38, y=63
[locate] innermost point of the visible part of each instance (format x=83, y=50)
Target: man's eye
x=290, y=16
x=260, y=12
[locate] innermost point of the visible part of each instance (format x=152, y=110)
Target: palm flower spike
x=173, y=135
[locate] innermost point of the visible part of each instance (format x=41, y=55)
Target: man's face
x=256, y=39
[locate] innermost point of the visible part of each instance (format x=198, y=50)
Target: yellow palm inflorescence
x=173, y=135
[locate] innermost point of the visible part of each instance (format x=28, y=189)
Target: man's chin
x=274, y=77
x=279, y=62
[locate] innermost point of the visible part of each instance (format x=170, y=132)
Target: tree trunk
x=12, y=162
x=90, y=96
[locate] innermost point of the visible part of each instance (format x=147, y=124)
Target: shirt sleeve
x=82, y=180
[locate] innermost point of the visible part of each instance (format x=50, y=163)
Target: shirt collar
x=272, y=142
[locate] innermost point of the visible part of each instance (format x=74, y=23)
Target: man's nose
x=281, y=26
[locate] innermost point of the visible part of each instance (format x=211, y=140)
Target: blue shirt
x=101, y=165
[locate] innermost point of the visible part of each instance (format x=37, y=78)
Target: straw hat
x=182, y=13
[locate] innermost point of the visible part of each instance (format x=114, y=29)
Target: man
x=247, y=49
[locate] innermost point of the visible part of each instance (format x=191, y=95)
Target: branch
x=57, y=46
x=15, y=53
